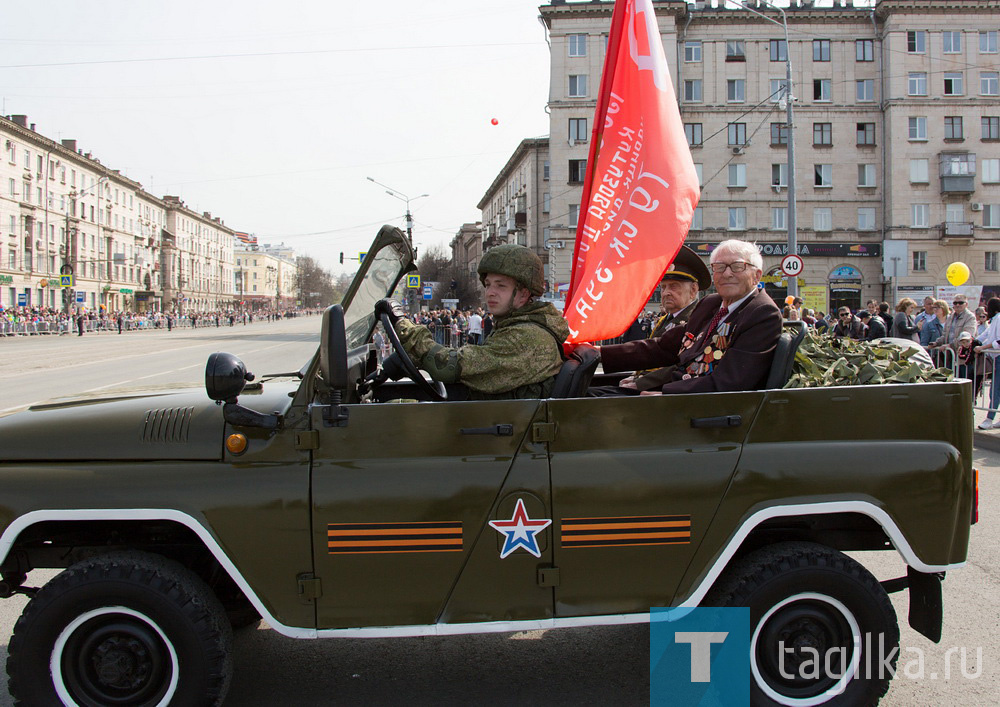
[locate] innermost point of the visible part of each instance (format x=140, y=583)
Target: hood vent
x=169, y=425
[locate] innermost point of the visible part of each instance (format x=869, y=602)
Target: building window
x=692, y=90
x=696, y=224
x=778, y=90
x=989, y=83
x=953, y=84
x=692, y=52
x=951, y=42
x=959, y=164
x=920, y=215
x=991, y=171
x=953, y=127
x=578, y=129
x=578, y=45
x=916, y=42
x=917, y=84
x=866, y=133
x=864, y=49
x=736, y=90
x=821, y=50
x=823, y=218
x=779, y=218
x=692, y=131
x=823, y=175
x=991, y=261
x=991, y=215
x=698, y=169
x=577, y=171
x=865, y=90
x=737, y=175
x=545, y=169
x=866, y=218
x=737, y=133
x=574, y=214
x=918, y=127
x=822, y=89
x=736, y=50
x=577, y=85
x=990, y=127
x=919, y=261
x=988, y=42
x=779, y=133
x=866, y=175
x=823, y=134
x=779, y=50
x=779, y=175
x=737, y=218
x=546, y=204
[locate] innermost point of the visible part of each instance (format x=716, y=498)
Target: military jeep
x=335, y=503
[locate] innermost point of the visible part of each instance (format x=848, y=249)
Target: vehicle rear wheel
x=127, y=628
x=822, y=625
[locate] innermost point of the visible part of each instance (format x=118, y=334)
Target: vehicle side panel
x=905, y=450
x=635, y=487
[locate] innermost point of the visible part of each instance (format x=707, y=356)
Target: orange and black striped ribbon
x=441, y=536
x=625, y=530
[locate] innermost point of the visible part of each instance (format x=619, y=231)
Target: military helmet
x=517, y=262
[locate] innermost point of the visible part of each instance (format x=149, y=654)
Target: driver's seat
x=576, y=373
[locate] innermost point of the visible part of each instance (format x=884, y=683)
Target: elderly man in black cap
x=679, y=288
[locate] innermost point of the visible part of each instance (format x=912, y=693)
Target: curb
x=985, y=440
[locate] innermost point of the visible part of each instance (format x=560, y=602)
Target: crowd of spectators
x=456, y=327
x=29, y=321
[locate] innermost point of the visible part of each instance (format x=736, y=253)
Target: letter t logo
x=701, y=651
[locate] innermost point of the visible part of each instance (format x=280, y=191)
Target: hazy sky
x=272, y=114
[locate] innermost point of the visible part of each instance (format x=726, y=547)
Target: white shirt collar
x=735, y=305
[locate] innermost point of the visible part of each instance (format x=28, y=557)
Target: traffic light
x=341, y=257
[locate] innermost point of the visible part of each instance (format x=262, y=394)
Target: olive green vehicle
x=334, y=503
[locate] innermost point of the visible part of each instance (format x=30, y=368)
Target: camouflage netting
x=822, y=360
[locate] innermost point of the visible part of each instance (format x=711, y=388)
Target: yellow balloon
x=958, y=273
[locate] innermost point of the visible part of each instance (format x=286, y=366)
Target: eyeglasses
x=844, y=314
x=958, y=303
x=738, y=266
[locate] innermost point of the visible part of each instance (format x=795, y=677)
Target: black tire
x=810, y=596
x=126, y=628
x=242, y=615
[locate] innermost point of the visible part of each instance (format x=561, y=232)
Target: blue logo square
x=699, y=656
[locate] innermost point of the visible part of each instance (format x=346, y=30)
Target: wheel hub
x=122, y=662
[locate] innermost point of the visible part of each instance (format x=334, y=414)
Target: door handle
x=495, y=430
x=722, y=421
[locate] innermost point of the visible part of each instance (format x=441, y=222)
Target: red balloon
x=495, y=122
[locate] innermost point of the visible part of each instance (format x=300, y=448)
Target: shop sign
x=845, y=272
x=820, y=250
x=125, y=291
x=6, y=279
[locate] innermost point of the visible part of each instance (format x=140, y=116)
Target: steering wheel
x=435, y=389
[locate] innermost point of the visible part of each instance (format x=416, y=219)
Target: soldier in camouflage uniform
x=523, y=352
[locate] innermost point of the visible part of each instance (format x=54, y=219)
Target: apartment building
x=895, y=129
x=197, y=260
x=64, y=214
x=467, y=249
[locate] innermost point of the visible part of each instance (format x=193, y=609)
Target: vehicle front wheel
x=127, y=628
x=824, y=631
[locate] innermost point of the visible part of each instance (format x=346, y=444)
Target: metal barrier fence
x=980, y=369
x=96, y=326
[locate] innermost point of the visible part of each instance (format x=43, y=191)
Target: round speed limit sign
x=791, y=265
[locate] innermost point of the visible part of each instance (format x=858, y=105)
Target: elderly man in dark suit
x=729, y=341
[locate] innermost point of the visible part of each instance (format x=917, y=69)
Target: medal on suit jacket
x=711, y=353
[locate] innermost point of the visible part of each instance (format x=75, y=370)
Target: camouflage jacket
x=519, y=359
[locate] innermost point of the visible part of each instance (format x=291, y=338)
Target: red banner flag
x=640, y=189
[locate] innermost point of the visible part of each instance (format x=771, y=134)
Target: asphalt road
x=604, y=665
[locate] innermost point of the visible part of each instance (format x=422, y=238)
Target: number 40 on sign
x=791, y=265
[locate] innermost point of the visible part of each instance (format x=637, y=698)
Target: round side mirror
x=225, y=376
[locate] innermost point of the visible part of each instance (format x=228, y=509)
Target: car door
x=401, y=499
x=635, y=483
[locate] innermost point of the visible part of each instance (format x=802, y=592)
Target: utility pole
x=793, y=282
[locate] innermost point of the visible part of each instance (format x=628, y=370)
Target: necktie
x=723, y=311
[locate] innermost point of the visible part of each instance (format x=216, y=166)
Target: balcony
x=958, y=184
x=956, y=233
x=958, y=172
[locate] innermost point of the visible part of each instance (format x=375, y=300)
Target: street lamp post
x=402, y=197
x=793, y=282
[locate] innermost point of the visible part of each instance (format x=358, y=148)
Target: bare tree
x=315, y=286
